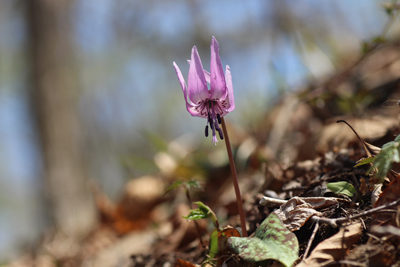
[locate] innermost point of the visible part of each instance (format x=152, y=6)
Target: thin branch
x=311, y=240
x=334, y=222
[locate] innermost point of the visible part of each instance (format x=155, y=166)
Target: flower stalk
x=235, y=179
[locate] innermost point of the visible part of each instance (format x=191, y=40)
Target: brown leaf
x=333, y=248
x=182, y=263
x=390, y=194
x=296, y=211
x=223, y=236
x=134, y=211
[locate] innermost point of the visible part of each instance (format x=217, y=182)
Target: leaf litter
x=331, y=212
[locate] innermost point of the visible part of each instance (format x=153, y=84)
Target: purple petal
x=181, y=80
x=230, y=99
x=191, y=108
x=197, y=84
x=206, y=73
x=217, y=81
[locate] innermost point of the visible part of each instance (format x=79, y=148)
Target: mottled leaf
x=383, y=161
x=272, y=241
x=342, y=187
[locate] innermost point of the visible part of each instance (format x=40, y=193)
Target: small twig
x=293, y=188
x=234, y=179
x=367, y=149
x=354, y=180
x=311, y=240
x=334, y=222
x=275, y=202
x=352, y=263
x=363, y=224
x=272, y=202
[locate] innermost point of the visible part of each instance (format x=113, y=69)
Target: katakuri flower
x=212, y=103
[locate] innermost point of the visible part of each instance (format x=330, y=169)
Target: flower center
x=214, y=120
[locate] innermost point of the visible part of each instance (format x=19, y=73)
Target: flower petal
x=197, y=84
x=191, y=108
x=206, y=73
x=181, y=80
x=217, y=81
x=230, y=99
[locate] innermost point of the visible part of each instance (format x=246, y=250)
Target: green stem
x=234, y=179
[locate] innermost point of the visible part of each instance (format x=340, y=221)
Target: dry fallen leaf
x=390, y=194
x=333, y=248
x=296, y=211
x=183, y=263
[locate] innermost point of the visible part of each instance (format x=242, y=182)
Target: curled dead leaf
x=296, y=211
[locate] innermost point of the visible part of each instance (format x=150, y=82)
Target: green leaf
x=196, y=215
x=202, y=212
x=342, y=187
x=219, y=242
x=272, y=241
x=175, y=185
x=213, y=244
x=193, y=184
x=365, y=161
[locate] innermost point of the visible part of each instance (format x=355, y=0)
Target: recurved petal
x=181, y=80
x=197, y=84
x=230, y=99
x=191, y=108
x=217, y=77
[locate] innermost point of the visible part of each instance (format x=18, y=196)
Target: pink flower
x=212, y=103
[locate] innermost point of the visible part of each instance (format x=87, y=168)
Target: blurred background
x=88, y=91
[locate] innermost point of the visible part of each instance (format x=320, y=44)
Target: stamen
x=221, y=136
x=209, y=119
x=219, y=118
x=206, y=132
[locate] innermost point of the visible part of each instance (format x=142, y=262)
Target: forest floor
x=296, y=154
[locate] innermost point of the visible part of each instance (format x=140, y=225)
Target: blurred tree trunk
x=54, y=95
